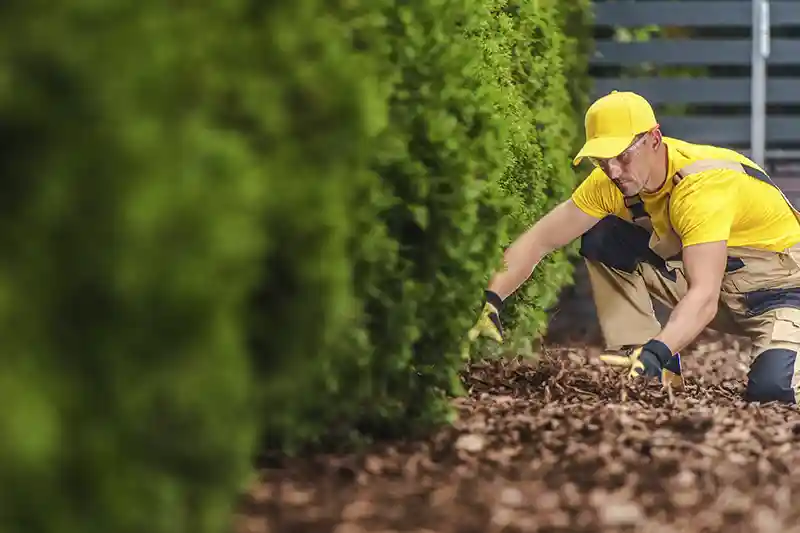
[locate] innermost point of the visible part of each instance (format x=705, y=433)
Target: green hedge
x=549, y=46
x=473, y=111
x=231, y=221
x=364, y=336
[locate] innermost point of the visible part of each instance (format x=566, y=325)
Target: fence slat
x=705, y=13
x=728, y=130
x=666, y=13
x=712, y=91
x=691, y=52
x=786, y=13
x=782, y=130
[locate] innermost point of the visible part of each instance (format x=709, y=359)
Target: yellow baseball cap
x=612, y=122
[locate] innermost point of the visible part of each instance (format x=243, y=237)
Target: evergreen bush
x=465, y=138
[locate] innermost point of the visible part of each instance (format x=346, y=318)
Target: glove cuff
x=494, y=299
x=659, y=349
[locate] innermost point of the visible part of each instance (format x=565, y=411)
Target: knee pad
x=770, y=377
x=616, y=243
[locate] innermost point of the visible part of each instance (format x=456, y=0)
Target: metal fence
x=707, y=76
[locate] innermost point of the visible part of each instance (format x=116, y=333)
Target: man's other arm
x=556, y=229
x=703, y=210
x=704, y=265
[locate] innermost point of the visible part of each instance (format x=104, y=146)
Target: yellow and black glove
x=653, y=359
x=488, y=324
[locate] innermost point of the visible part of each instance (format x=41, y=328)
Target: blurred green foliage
x=132, y=234
x=242, y=226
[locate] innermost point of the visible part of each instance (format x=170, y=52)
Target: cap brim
x=603, y=147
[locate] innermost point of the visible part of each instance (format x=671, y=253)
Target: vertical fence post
x=758, y=90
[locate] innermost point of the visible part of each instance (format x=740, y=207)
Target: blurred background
x=710, y=81
x=238, y=229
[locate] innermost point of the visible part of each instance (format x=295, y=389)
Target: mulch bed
x=562, y=445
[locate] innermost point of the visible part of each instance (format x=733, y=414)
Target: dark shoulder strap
x=638, y=214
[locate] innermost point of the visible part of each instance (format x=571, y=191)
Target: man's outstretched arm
x=556, y=229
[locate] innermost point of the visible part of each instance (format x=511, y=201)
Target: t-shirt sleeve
x=596, y=196
x=702, y=207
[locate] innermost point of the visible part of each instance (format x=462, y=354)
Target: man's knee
x=619, y=244
x=770, y=377
x=615, y=243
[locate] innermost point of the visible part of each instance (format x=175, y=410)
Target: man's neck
x=659, y=174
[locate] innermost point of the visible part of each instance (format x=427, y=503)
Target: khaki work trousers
x=760, y=299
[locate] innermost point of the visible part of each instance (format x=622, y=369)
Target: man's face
x=630, y=170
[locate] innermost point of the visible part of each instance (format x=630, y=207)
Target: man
x=700, y=228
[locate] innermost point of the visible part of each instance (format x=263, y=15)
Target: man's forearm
x=556, y=229
x=688, y=319
x=520, y=260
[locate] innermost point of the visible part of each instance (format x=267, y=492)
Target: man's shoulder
x=689, y=152
x=598, y=183
x=705, y=168
x=597, y=195
x=598, y=179
x=717, y=182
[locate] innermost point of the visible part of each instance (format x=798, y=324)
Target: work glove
x=654, y=359
x=488, y=324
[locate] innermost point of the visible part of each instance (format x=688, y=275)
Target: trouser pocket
x=749, y=270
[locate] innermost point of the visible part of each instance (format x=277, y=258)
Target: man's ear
x=657, y=138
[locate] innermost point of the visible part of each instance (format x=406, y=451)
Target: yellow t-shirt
x=713, y=205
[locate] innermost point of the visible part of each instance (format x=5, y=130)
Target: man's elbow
x=530, y=247
x=710, y=309
x=707, y=305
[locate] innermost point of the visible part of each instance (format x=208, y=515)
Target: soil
x=562, y=445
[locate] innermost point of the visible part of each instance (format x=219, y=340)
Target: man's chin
x=627, y=189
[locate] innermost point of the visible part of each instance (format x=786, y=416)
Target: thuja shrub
x=539, y=50
x=381, y=239
x=419, y=143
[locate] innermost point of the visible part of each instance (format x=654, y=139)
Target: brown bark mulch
x=562, y=445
